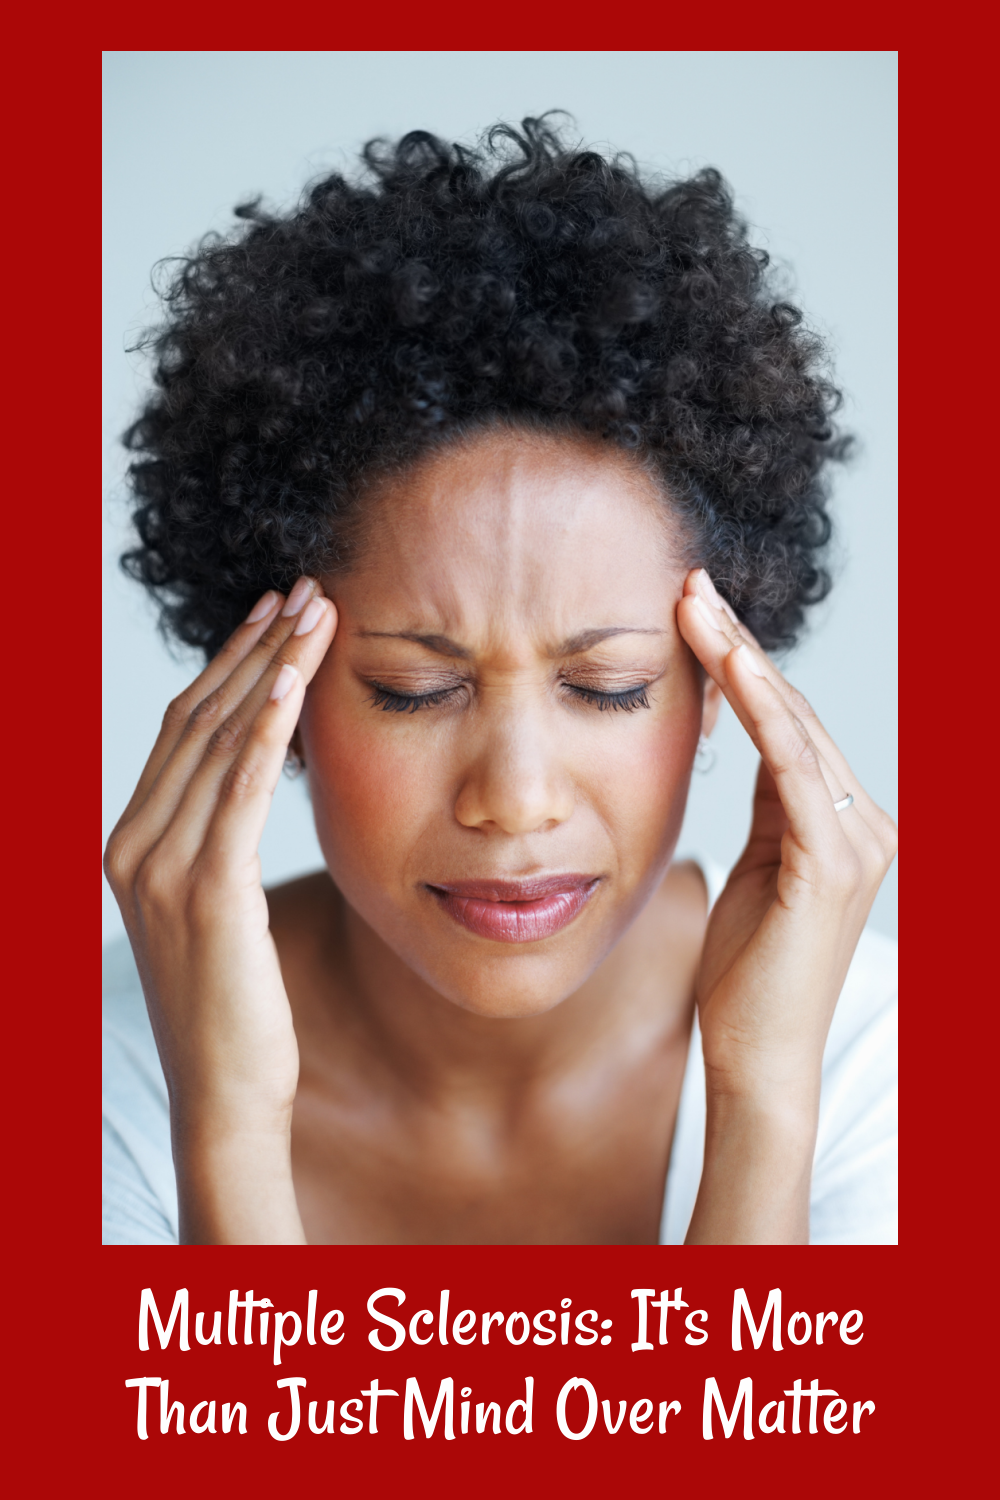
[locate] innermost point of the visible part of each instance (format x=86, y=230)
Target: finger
x=722, y=645
x=208, y=714
x=715, y=637
x=768, y=825
x=847, y=844
x=840, y=778
x=244, y=796
x=829, y=750
x=239, y=739
x=769, y=821
x=795, y=699
x=239, y=644
x=791, y=760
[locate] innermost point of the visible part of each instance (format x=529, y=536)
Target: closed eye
x=629, y=700
x=408, y=703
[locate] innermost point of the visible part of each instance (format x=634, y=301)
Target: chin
x=509, y=986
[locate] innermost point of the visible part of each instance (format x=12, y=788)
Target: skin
x=346, y=1062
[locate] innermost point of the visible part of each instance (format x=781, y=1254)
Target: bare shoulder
x=679, y=907
x=684, y=891
x=671, y=929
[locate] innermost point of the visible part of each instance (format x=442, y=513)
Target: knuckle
x=232, y=650
x=872, y=856
x=226, y=740
x=803, y=734
x=806, y=753
x=242, y=779
x=888, y=836
x=176, y=714
x=878, y=840
x=796, y=752
x=205, y=714
x=799, y=704
x=117, y=864
x=155, y=882
x=785, y=732
x=274, y=637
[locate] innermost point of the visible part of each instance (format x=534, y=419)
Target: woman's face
x=500, y=738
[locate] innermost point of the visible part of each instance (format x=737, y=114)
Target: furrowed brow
x=584, y=639
x=441, y=644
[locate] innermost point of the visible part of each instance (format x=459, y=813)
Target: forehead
x=547, y=527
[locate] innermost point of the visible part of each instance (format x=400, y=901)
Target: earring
x=294, y=765
x=705, y=756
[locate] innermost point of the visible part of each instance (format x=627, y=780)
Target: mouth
x=516, y=911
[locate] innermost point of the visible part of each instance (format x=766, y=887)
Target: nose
x=516, y=781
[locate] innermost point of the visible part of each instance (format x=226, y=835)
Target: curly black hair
x=524, y=282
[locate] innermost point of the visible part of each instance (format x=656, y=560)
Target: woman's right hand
x=183, y=865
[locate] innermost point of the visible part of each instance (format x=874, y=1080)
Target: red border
x=484, y=1279
x=73, y=1304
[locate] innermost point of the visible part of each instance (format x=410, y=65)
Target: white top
x=853, y=1196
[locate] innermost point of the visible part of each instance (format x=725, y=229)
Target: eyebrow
x=572, y=646
x=587, y=638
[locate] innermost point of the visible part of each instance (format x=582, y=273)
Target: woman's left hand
x=779, y=941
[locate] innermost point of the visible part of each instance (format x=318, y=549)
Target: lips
x=516, y=911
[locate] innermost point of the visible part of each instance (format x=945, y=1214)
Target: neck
x=439, y=1048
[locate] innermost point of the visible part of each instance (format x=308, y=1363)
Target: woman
x=512, y=467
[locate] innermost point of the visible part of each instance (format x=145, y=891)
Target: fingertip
x=747, y=658
x=264, y=606
x=330, y=619
x=284, y=682
x=687, y=612
x=702, y=634
x=712, y=617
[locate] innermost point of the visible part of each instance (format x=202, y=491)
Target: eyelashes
x=629, y=700
x=408, y=703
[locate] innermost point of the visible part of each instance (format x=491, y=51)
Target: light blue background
x=806, y=138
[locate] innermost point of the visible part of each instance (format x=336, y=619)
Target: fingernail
x=284, y=681
x=707, y=587
x=713, y=596
x=709, y=614
x=310, y=616
x=263, y=607
x=300, y=593
x=751, y=663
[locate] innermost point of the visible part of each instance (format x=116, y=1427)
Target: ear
x=711, y=703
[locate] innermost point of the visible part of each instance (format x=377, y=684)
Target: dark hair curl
x=523, y=282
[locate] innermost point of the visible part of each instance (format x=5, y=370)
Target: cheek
x=655, y=748
x=379, y=795
x=372, y=791
x=644, y=759
x=639, y=782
